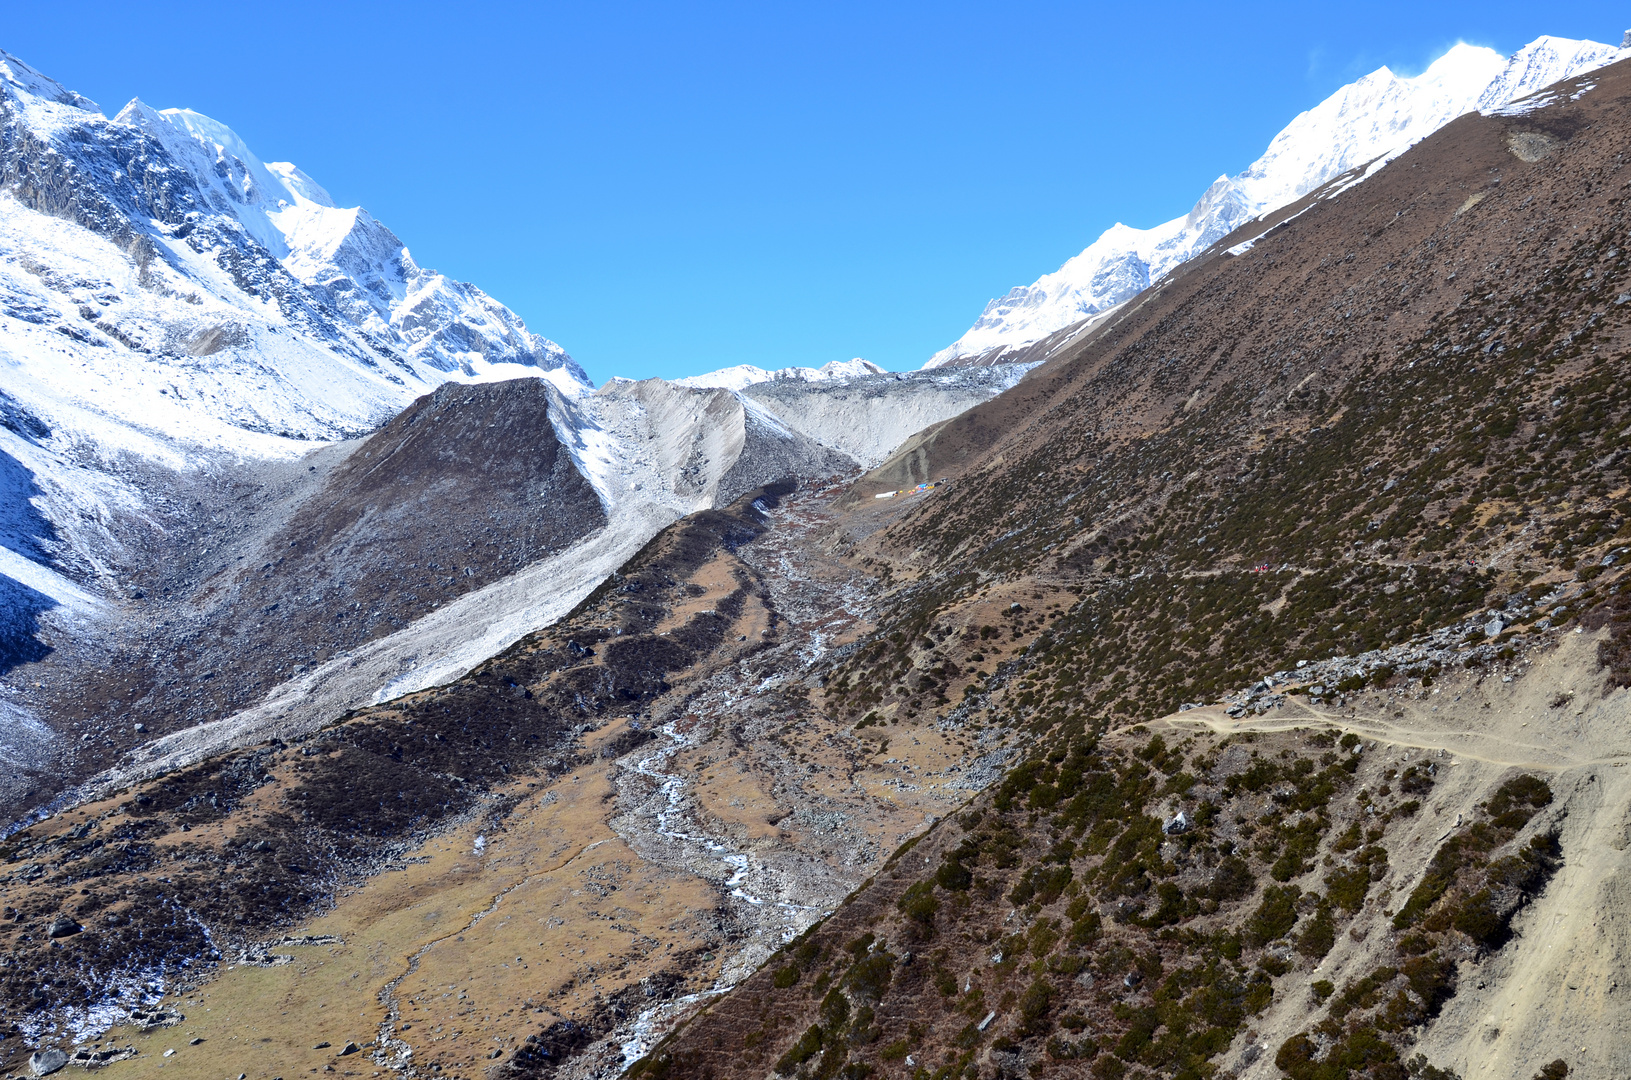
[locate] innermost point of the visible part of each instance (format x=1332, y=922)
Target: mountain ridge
x=1376, y=116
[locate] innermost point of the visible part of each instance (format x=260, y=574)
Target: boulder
x=62, y=926
x=46, y=1062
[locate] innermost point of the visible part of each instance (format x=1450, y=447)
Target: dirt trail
x=1551, y=715
x=1562, y=987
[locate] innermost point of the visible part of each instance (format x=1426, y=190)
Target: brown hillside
x=1386, y=440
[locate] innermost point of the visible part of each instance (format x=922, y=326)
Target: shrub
x=1232, y=880
x=785, y=976
x=1033, y=1007
x=1045, y=884
x=870, y=977
x=1516, y=801
x=918, y=903
x=1433, y=980
x=953, y=876
x=1276, y=915
x=1419, y=1068
x=834, y=1010
x=1478, y=919
x=1109, y=1067
x=1319, y=935
x=1346, y=887
x=808, y=1045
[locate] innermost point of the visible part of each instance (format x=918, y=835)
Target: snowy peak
x=236, y=293
x=19, y=78
x=350, y=257
x=299, y=184
x=232, y=179
x=744, y=375
x=1369, y=119
x=1542, y=62
x=1365, y=119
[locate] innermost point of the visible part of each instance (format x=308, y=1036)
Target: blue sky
x=666, y=189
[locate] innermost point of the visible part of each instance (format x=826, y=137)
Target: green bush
x=953, y=876
x=1044, y=884
x=1477, y=918
x=870, y=977
x=1346, y=887
x=1232, y=880
x=1033, y=1007
x=1276, y=915
x=1516, y=801
x=807, y=1047
x=1319, y=935
x=918, y=903
x=834, y=1010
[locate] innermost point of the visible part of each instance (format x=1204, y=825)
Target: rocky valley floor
x=653, y=861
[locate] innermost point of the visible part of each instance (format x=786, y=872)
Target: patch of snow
x=46, y=581
x=744, y=375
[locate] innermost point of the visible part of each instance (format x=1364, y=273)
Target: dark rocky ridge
x=260, y=571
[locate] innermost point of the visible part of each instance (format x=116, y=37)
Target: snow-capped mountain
x=744, y=375
x=1379, y=114
x=170, y=302
x=191, y=340
x=157, y=277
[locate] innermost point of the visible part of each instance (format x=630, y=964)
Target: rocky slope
x=268, y=598
x=228, y=514
x=1304, y=574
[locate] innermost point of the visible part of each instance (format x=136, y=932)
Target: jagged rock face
x=257, y=574
x=339, y=274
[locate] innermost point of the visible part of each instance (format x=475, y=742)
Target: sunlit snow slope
x=166, y=299
x=159, y=284
x=1361, y=122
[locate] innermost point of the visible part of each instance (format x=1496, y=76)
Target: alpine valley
x=1213, y=664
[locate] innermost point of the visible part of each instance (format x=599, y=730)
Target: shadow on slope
x=24, y=532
